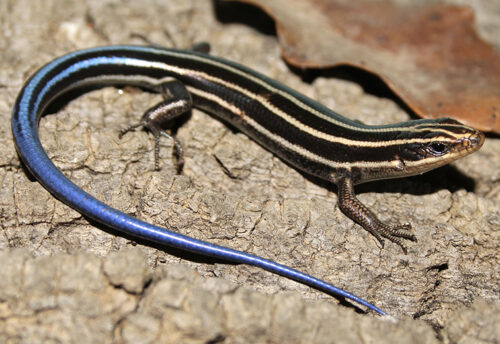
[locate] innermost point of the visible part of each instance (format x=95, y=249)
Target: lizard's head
x=432, y=144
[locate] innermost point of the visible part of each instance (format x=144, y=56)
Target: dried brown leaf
x=430, y=55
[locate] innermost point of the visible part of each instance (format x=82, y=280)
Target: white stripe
x=284, y=94
x=289, y=119
x=304, y=152
x=141, y=79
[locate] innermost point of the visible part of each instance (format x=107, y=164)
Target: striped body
x=299, y=130
x=292, y=126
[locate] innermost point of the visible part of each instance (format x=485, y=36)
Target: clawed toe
x=403, y=231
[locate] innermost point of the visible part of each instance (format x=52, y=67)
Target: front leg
x=360, y=214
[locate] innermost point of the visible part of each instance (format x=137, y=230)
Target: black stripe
x=278, y=126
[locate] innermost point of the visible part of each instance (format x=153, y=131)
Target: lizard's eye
x=438, y=148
